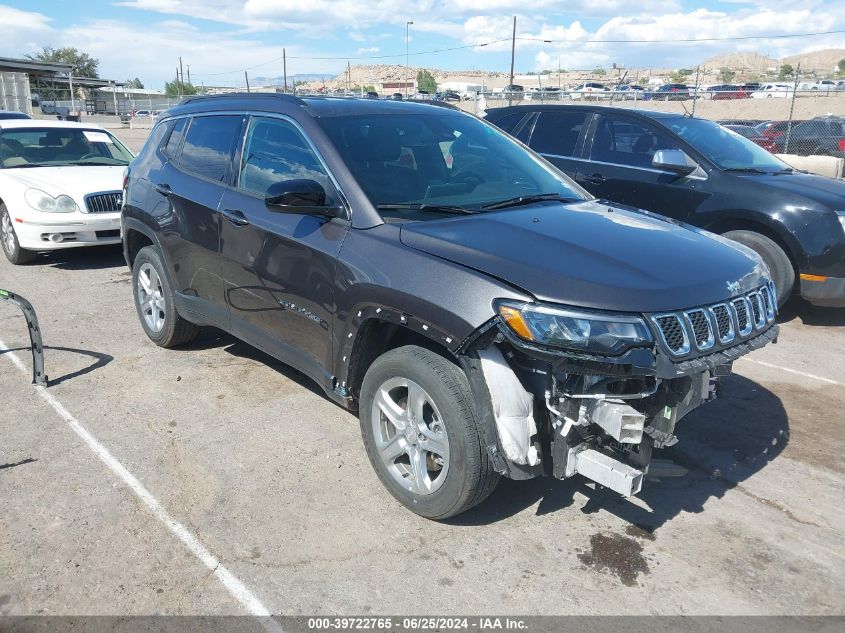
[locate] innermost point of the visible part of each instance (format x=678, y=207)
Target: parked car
x=143, y=113
x=695, y=171
x=60, y=186
x=821, y=136
x=440, y=299
x=372, y=95
x=669, y=92
x=397, y=96
x=627, y=92
x=771, y=91
x=727, y=91
x=775, y=129
x=12, y=114
x=513, y=89
x=589, y=90
x=753, y=135
x=451, y=96
x=751, y=86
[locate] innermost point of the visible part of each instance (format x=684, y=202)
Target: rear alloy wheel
x=11, y=248
x=421, y=434
x=156, y=302
x=780, y=266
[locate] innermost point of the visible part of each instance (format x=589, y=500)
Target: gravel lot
x=271, y=481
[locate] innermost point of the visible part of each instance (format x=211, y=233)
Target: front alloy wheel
x=422, y=434
x=9, y=241
x=410, y=436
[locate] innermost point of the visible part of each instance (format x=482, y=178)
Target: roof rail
x=244, y=95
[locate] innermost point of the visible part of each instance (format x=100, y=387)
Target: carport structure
x=19, y=78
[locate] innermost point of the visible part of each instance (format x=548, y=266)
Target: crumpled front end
x=563, y=411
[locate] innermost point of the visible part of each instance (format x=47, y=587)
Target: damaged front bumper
x=552, y=412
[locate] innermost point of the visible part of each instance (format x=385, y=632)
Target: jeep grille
x=702, y=329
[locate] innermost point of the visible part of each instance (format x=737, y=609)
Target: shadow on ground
x=798, y=309
x=212, y=338
x=93, y=258
x=721, y=444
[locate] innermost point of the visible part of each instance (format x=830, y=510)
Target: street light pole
x=407, y=54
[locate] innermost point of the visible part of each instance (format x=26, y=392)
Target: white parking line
x=233, y=585
x=794, y=371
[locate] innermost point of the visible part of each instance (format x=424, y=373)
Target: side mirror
x=299, y=195
x=673, y=160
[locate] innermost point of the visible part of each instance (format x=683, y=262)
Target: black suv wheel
x=421, y=433
x=155, y=302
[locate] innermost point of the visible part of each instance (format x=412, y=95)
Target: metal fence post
x=791, y=110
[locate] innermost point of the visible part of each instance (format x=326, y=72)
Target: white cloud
x=16, y=20
x=372, y=50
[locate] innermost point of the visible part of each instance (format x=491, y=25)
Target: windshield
x=58, y=146
x=440, y=158
x=727, y=149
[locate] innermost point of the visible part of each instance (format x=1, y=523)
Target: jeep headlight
x=579, y=330
x=42, y=201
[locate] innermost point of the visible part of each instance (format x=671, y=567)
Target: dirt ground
x=142, y=475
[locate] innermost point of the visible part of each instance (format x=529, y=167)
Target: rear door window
x=557, y=132
x=623, y=142
x=208, y=145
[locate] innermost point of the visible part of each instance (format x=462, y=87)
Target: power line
x=527, y=39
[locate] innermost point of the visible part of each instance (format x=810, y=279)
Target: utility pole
x=285, y=68
x=181, y=76
x=189, y=75
x=513, y=49
x=178, y=83
x=407, y=54
x=348, y=75
x=246, y=76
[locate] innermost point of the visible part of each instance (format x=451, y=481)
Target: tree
x=426, y=82
x=841, y=66
x=134, y=83
x=726, y=75
x=599, y=71
x=370, y=88
x=786, y=71
x=172, y=88
x=677, y=77
x=83, y=64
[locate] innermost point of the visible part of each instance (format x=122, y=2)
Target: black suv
x=697, y=171
x=481, y=312
x=821, y=136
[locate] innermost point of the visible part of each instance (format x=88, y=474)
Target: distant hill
x=741, y=61
x=823, y=61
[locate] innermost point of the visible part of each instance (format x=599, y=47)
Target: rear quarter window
x=557, y=132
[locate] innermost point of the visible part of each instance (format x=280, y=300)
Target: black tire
x=470, y=477
x=783, y=274
x=11, y=247
x=175, y=330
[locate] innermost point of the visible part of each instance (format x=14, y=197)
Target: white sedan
x=60, y=186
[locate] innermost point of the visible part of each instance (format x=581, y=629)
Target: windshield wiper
x=748, y=170
x=520, y=200
x=421, y=206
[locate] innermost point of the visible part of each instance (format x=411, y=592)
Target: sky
x=221, y=38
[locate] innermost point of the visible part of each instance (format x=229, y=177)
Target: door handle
x=235, y=217
x=595, y=179
x=164, y=189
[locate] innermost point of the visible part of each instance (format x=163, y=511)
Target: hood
x=74, y=181
x=594, y=256
x=815, y=189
